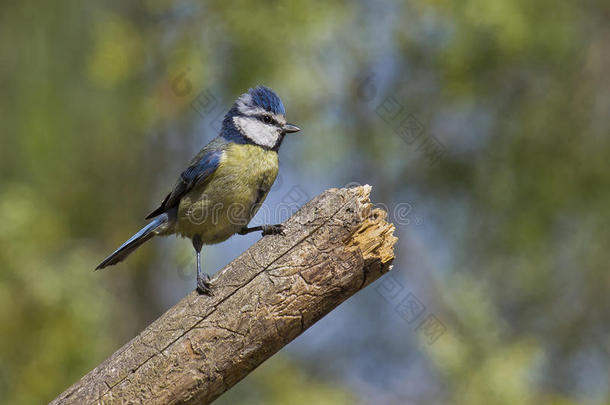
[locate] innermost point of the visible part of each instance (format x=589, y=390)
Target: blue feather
x=265, y=98
x=134, y=242
x=200, y=168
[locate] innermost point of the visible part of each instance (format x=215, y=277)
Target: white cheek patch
x=257, y=131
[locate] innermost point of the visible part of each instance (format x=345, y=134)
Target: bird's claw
x=277, y=229
x=203, y=285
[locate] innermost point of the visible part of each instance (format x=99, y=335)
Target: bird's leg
x=203, y=279
x=277, y=229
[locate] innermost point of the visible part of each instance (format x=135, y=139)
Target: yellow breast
x=228, y=200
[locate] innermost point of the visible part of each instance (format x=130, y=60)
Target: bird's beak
x=289, y=128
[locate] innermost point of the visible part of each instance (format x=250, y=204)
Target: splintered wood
x=333, y=246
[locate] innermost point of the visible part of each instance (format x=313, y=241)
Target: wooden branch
x=334, y=246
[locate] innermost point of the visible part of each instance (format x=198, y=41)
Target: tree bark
x=333, y=247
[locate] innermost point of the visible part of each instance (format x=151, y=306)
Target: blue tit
x=224, y=185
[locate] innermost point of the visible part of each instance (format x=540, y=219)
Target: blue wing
x=199, y=170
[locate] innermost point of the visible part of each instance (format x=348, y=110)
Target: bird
x=225, y=184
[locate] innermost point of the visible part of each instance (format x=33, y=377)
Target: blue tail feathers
x=134, y=242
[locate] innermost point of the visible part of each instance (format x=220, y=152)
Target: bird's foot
x=204, y=286
x=277, y=229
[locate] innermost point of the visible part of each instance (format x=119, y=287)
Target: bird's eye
x=267, y=119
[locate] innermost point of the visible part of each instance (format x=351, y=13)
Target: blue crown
x=265, y=98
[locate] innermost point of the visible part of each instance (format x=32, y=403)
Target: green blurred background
x=504, y=235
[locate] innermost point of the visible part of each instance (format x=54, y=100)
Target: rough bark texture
x=334, y=246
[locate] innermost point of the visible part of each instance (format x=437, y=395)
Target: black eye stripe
x=269, y=119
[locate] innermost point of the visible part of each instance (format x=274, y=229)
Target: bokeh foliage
x=97, y=121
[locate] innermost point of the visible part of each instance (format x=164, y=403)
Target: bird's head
x=259, y=116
